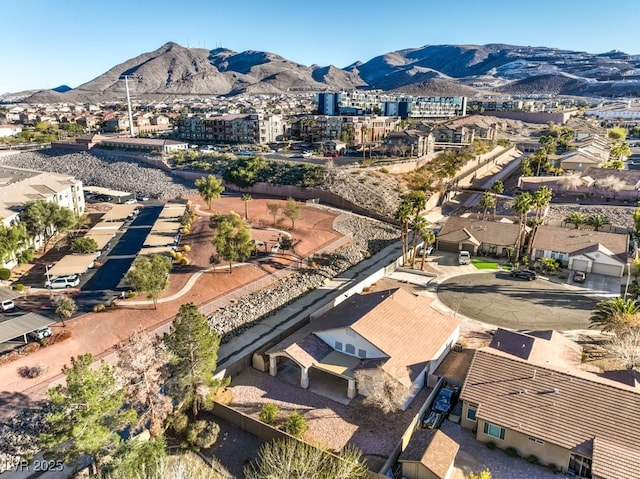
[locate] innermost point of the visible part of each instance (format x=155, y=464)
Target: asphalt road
x=499, y=299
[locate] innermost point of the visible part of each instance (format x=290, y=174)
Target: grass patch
x=483, y=264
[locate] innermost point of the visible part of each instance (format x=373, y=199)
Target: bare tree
x=140, y=364
x=570, y=182
x=625, y=348
x=382, y=390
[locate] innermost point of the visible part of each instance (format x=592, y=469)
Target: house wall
x=416, y=470
x=546, y=453
x=349, y=336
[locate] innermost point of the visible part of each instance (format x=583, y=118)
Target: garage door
x=580, y=265
x=607, y=269
x=448, y=246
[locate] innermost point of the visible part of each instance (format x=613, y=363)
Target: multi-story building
x=353, y=130
x=367, y=102
x=19, y=186
x=238, y=128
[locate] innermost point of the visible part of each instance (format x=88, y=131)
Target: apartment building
x=19, y=186
x=237, y=128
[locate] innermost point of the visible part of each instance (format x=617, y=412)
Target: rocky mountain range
x=432, y=70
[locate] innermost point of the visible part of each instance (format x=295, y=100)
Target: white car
x=464, y=257
x=40, y=334
x=62, y=282
x=7, y=305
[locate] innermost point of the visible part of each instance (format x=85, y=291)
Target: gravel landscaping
x=106, y=169
x=19, y=436
x=368, y=237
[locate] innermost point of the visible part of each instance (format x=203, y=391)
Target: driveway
x=498, y=299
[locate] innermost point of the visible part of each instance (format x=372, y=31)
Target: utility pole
x=126, y=85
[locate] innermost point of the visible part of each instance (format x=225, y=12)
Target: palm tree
x=616, y=314
x=541, y=199
x=65, y=307
x=497, y=189
x=487, y=201
x=428, y=238
x=418, y=225
x=597, y=221
x=576, y=218
x=246, y=198
x=522, y=206
x=403, y=215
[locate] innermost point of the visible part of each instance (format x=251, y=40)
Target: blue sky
x=49, y=43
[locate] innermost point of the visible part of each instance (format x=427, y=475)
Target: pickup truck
x=464, y=257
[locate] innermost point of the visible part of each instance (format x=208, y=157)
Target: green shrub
x=491, y=444
x=18, y=287
x=269, y=413
x=533, y=459
x=384, y=170
x=295, y=424
x=202, y=434
x=99, y=308
x=5, y=274
x=178, y=422
x=511, y=451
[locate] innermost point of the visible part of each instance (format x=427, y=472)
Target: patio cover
x=22, y=325
x=165, y=226
x=72, y=264
x=172, y=210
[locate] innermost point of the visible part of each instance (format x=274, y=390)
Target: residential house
x=518, y=394
x=494, y=238
x=9, y=130
x=391, y=332
x=578, y=161
x=582, y=250
x=409, y=142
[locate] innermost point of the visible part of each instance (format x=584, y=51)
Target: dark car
x=443, y=401
x=579, y=277
x=524, y=274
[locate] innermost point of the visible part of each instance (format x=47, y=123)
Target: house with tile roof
x=519, y=394
x=477, y=236
x=393, y=331
x=582, y=250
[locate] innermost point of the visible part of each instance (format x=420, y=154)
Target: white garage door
x=607, y=269
x=580, y=265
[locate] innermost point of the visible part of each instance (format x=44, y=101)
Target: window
x=338, y=345
x=493, y=430
x=362, y=353
x=350, y=349
x=536, y=440
x=471, y=412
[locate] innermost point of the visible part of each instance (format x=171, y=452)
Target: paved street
x=497, y=298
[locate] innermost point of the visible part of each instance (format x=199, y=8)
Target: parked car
x=141, y=197
x=464, y=257
x=579, y=277
x=40, y=334
x=131, y=201
x=62, y=282
x=524, y=274
x=444, y=401
x=428, y=251
x=7, y=305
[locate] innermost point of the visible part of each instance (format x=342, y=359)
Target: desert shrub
x=384, y=170
x=295, y=424
x=5, y=274
x=32, y=372
x=18, y=287
x=202, y=434
x=491, y=444
x=269, y=413
x=511, y=451
x=533, y=459
x=58, y=337
x=130, y=294
x=184, y=261
x=29, y=348
x=99, y=308
x=186, y=248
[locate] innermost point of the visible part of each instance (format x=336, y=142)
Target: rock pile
x=368, y=238
x=106, y=169
x=19, y=437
